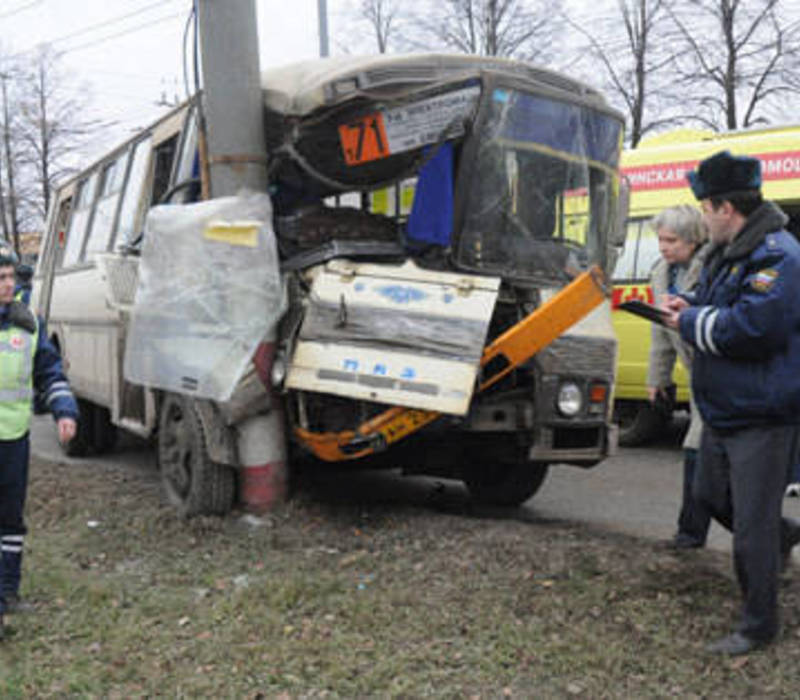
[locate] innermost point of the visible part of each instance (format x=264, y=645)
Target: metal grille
x=578, y=355
x=122, y=276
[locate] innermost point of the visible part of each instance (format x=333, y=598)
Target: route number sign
x=407, y=127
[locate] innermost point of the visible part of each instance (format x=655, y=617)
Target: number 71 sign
x=364, y=139
x=407, y=126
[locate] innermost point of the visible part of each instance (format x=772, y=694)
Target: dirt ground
x=339, y=594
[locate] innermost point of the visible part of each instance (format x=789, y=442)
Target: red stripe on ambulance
x=774, y=166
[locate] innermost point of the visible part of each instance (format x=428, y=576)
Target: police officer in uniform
x=743, y=322
x=27, y=359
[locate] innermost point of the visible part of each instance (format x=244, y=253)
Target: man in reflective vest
x=27, y=359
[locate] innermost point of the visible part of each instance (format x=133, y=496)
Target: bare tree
x=518, y=28
x=11, y=163
x=384, y=25
x=737, y=58
x=630, y=43
x=51, y=123
x=3, y=219
x=382, y=18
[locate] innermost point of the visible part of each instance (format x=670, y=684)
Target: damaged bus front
x=514, y=173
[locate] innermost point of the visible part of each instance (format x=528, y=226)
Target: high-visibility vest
x=17, y=350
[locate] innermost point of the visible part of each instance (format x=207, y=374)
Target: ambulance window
x=383, y=201
x=647, y=254
x=79, y=219
x=626, y=263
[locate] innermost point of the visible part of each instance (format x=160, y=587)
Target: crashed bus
x=420, y=285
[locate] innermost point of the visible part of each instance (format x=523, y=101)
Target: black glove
x=664, y=402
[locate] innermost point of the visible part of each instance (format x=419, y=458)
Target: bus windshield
x=542, y=194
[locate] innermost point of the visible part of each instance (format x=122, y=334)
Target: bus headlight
x=570, y=399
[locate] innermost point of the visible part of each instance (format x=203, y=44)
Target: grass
x=347, y=597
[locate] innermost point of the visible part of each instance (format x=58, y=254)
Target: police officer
x=743, y=322
x=27, y=359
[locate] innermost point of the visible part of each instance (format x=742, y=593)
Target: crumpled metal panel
x=209, y=292
x=395, y=334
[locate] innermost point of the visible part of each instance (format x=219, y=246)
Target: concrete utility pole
x=322, y=19
x=236, y=154
x=232, y=99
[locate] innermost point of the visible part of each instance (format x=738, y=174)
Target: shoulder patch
x=763, y=280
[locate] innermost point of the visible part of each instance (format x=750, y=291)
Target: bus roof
x=298, y=89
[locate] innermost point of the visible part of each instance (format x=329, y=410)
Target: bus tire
x=104, y=432
x=194, y=484
x=80, y=444
x=504, y=483
x=639, y=423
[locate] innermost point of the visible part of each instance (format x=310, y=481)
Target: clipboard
x=645, y=310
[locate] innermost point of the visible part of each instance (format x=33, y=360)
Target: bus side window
x=79, y=220
x=113, y=174
x=132, y=208
x=162, y=168
x=187, y=166
x=54, y=245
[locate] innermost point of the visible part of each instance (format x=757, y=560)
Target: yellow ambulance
x=656, y=171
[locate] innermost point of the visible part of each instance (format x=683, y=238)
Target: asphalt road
x=636, y=492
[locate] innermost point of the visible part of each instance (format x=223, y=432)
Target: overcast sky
x=130, y=52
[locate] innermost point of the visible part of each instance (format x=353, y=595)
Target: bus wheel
x=79, y=445
x=638, y=421
x=194, y=483
x=504, y=483
x=104, y=432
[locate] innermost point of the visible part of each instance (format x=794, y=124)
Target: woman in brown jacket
x=682, y=244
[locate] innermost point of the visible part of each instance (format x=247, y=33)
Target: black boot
x=12, y=546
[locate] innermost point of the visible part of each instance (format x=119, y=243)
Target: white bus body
x=533, y=158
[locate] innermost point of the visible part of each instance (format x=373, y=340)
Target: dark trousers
x=14, y=455
x=694, y=518
x=741, y=478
